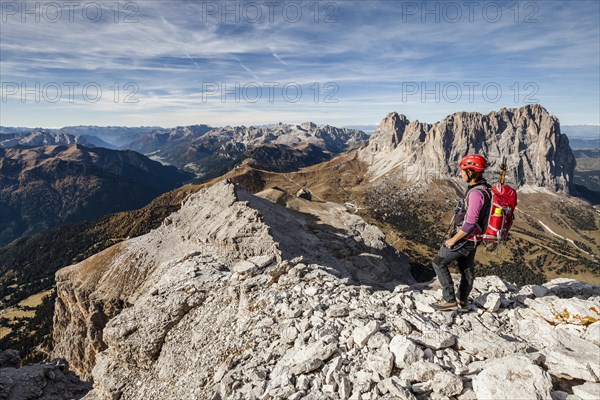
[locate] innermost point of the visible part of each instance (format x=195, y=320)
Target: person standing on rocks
x=461, y=247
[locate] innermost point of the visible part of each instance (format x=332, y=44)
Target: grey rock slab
x=539, y=291
x=434, y=340
x=245, y=267
x=490, y=301
x=305, y=359
x=262, y=261
x=338, y=310
x=446, y=384
x=345, y=388
x=9, y=358
x=592, y=333
x=587, y=391
x=570, y=355
x=45, y=381
x=572, y=311
x=362, y=334
x=569, y=288
x=393, y=386
x=513, y=377
x=405, y=351
x=420, y=371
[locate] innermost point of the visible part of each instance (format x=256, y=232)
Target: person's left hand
x=449, y=243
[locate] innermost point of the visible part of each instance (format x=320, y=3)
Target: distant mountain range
x=210, y=152
x=583, y=136
x=47, y=138
x=45, y=186
x=204, y=150
x=116, y=136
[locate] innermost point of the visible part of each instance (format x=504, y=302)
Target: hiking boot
x=463, y=306
x=444, y=305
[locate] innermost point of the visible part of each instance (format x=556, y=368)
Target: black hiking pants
x=464, y=257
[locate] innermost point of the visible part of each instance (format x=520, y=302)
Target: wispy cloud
x=369, y=50
x=279, y=59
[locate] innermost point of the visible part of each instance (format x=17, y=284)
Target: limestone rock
x=587, y=391
x=405, y=351
x=435, y=340
x=490, y=301
x=394, y=387
x=381, y=362
x=592, y=333
x=306, y=359
x=569, y=355
x=513, y=377
x=362, y=334
x=420, y=371
x=51, y=381
x=572, y=311
x=447, y=384
x=529, y=136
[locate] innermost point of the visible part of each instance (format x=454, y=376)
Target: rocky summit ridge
x=538, y=154
x=238, y=296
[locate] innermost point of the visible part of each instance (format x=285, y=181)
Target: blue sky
x=337, y=62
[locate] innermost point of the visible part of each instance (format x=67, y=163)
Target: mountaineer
x=469, y=221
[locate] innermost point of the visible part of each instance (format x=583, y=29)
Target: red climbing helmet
x=473, y=162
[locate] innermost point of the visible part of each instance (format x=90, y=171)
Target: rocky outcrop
x=538, y=153
x=236, y=297
x=217, y=230
x=50, y=381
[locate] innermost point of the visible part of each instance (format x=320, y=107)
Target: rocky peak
x=308, y=126
x=389, y=133
x=237, y=297
x=538, y=153
x=218, y=232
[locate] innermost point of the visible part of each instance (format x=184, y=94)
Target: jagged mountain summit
x=538, y=153
x=239, y=296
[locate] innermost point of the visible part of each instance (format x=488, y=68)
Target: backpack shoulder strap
x=484, y=188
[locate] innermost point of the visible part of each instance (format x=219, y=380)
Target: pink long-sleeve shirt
x=475, y=202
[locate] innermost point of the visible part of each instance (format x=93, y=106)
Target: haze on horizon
x=342, y=63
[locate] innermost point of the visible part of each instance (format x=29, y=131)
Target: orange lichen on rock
x=565, y=317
